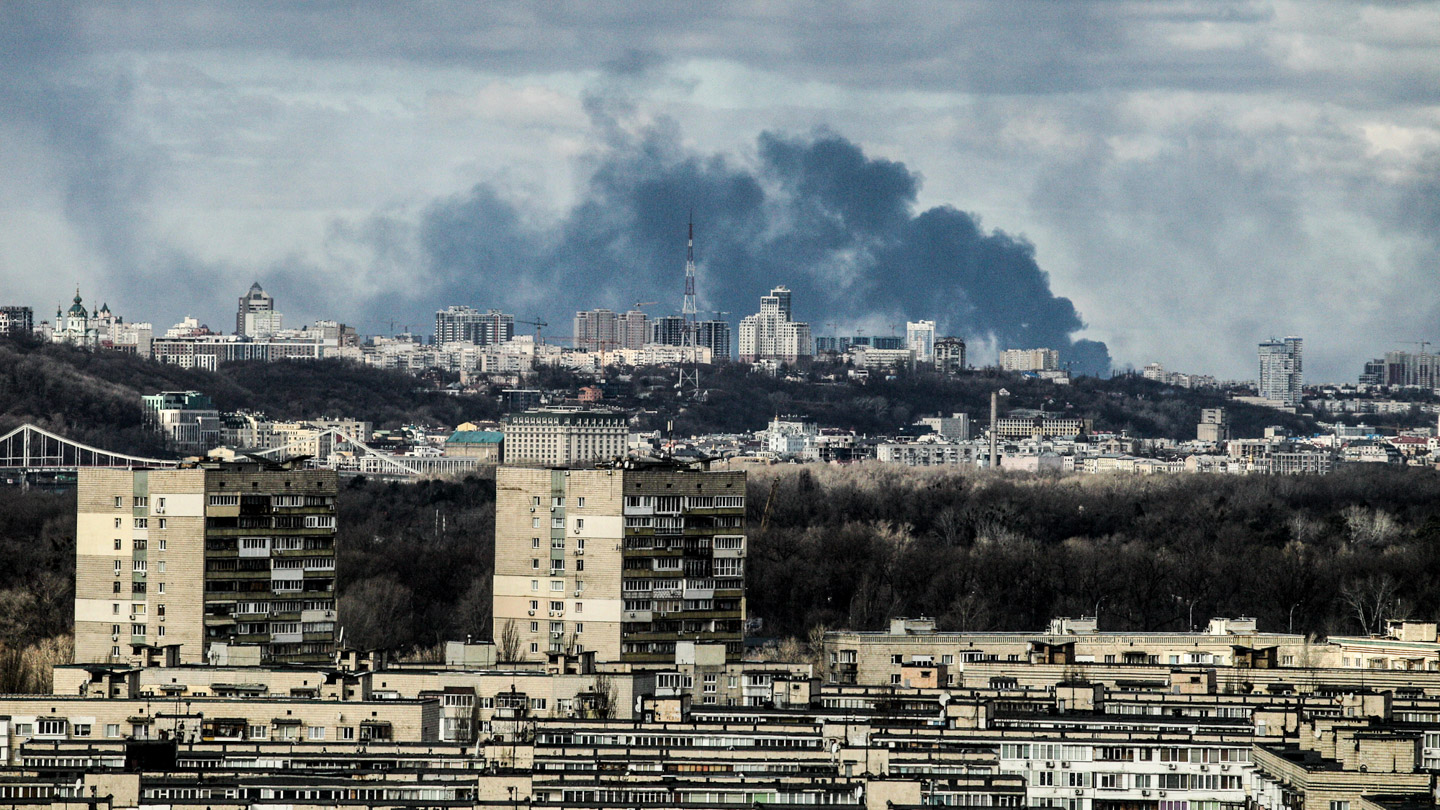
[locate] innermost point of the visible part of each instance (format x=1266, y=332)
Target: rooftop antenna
x=689, y=342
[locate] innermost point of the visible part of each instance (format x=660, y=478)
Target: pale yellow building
x=241, y=553
x=623, y=561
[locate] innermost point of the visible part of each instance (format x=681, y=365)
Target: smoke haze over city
x=1125, y=182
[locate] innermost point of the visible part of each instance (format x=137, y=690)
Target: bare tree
x=1371, y=601
x=509, y=641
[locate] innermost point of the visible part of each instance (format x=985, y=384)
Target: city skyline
x=1176, y=182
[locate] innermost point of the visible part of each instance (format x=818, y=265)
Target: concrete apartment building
x=189, y=420
x=462, y=324
x=1282, y=367
x=234, y=553
x=771, y=334
x=559, y=437
x=950, y=355
x=1030, y=360
x=16, y=320
x=1018, y=426
x=624, y=562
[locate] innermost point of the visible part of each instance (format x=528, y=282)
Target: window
x=580, y=543
x=534, y=647
x=580, y=502
x=557, y=501
x=535, y=500
x=534, y=584
x=162, y=523
x=114, y=629
x=1339, y=805
x=895, y=680
x=534, y=604
x=896, y=659
x=557, y=523
x=315, y=733
x=117, y=523
x=534, y=542
x=160, y=502
x=114, y=652
x=119, y=502
x=117, y=544
x=162, y=545
x=142, y=523
x=534, y=522
x=534, y=563
x=579, y=628
x=162, y=587
x=579, y=524
x=557, y=585
x=161, y=631
x=81, y=730
x=1045, y=779
x=579, y=565
x=138, y=565
x=534, y=627
x=116, y=583
x=557, y=543
x=117, y=566
x=258, y=732
x=112, y=729
x=557, y=606
x=137, y=629
x=160, y=611
x=115, y=607
x=557, y=627
x=579, y=607
x=345, y=732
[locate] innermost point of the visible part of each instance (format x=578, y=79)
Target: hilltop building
x=950, y=355
x=256, y=316
x=16, y=321
x=189, y=420
x=1030, y=360
x=771, y=334
x=462, y=324
x=1282, y=379
x=920, y=339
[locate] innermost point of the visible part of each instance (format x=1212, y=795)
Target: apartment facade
x=240, y=553
x=462, y=324
x=624, y=562
x=771, y=334
x=1282, y=367
x=950, y=355
x=1030, y=360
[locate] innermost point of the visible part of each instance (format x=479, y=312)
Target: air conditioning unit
x=159, y=510
x=556, y=634
x=1204, y=768
x=1079, y=791
x=577, y=592
x=530, y=612
x=114, y=636
x=532, y=509
x=1064, y=764
x=1144, y=793
x=1171, y=766
x=1224, y=767
x=1162, y=794
x=1049, y=764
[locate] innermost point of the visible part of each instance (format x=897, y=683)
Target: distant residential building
x=188, y=419
x=596, y=330
x=1025, y=427
x=463, y=324
x=256, y=315
x=1030, y=360
x=926, y=454
x=632, y=329
x=771, y=334
x=956, y=426
x=1214, y=426
x=950, y=355
x=1282, y=379
x=668, y=330
x=1408, y=369
x=870, y=357
x=715, y=336
x=16, y=320
x=1154, y=371
x=557, y=438
x=920, y=339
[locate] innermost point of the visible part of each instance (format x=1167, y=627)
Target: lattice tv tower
x=689, y=342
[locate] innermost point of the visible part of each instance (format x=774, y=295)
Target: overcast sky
x=1177, y=181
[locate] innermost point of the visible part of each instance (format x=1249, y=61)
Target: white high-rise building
x=1282, y=378
x=920, y=338
x=771, y=335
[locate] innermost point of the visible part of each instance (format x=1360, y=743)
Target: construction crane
x=1422, y=344
x=538, y=324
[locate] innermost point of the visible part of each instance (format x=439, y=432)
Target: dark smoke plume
x=813, y=213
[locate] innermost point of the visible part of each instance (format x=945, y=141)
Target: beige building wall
x=139, y=563
x=539, y=523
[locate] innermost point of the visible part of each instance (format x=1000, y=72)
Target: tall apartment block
x=1282, y=377
x=461, y=324
x=561, y=437
x=239, y=553
x=625, y=562
x=950, y=355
